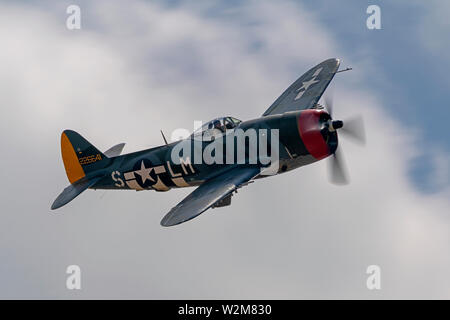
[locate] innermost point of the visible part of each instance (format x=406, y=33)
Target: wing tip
x=335, y=61
x=165, y=223
x=168, y=223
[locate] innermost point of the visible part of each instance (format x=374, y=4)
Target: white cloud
x=142, y=67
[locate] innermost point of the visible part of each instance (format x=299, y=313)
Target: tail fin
x=79, y=156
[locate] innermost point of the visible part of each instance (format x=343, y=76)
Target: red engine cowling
x=309, y=127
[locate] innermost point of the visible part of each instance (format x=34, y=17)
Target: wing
x=307, y=90
x=207, y=194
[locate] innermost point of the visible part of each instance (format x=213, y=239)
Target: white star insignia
x=307, y=84
x=145, y=173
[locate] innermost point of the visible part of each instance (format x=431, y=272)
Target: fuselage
x=300, y=137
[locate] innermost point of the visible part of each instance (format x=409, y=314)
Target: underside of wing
x=209, y=193
x=307, y=90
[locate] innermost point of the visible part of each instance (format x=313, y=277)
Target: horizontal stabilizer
x=114, y=151
x=73, y=190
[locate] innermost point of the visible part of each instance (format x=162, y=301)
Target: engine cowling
x=314, y=133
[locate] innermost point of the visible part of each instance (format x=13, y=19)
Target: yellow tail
x=79, y=156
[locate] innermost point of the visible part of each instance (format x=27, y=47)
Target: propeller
x=329, y=105
x=352, y=128
x=338, y=169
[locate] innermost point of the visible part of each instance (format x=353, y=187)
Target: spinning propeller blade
x=329, y=104
x=337, y=169
x=353, y=129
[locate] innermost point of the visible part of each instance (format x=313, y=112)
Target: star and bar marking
x=307, y=84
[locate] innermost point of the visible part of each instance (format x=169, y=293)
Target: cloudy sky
x=136, y=67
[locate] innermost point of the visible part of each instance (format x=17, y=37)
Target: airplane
x=301, y=131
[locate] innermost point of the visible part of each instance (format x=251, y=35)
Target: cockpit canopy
x=215, y=128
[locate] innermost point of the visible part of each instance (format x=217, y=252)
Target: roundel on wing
x=144, y=173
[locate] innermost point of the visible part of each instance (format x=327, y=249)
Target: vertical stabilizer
x=79, y=156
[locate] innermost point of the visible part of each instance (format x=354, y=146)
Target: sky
x=139, y=66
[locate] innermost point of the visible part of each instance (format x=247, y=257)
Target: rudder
x=79, y=156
